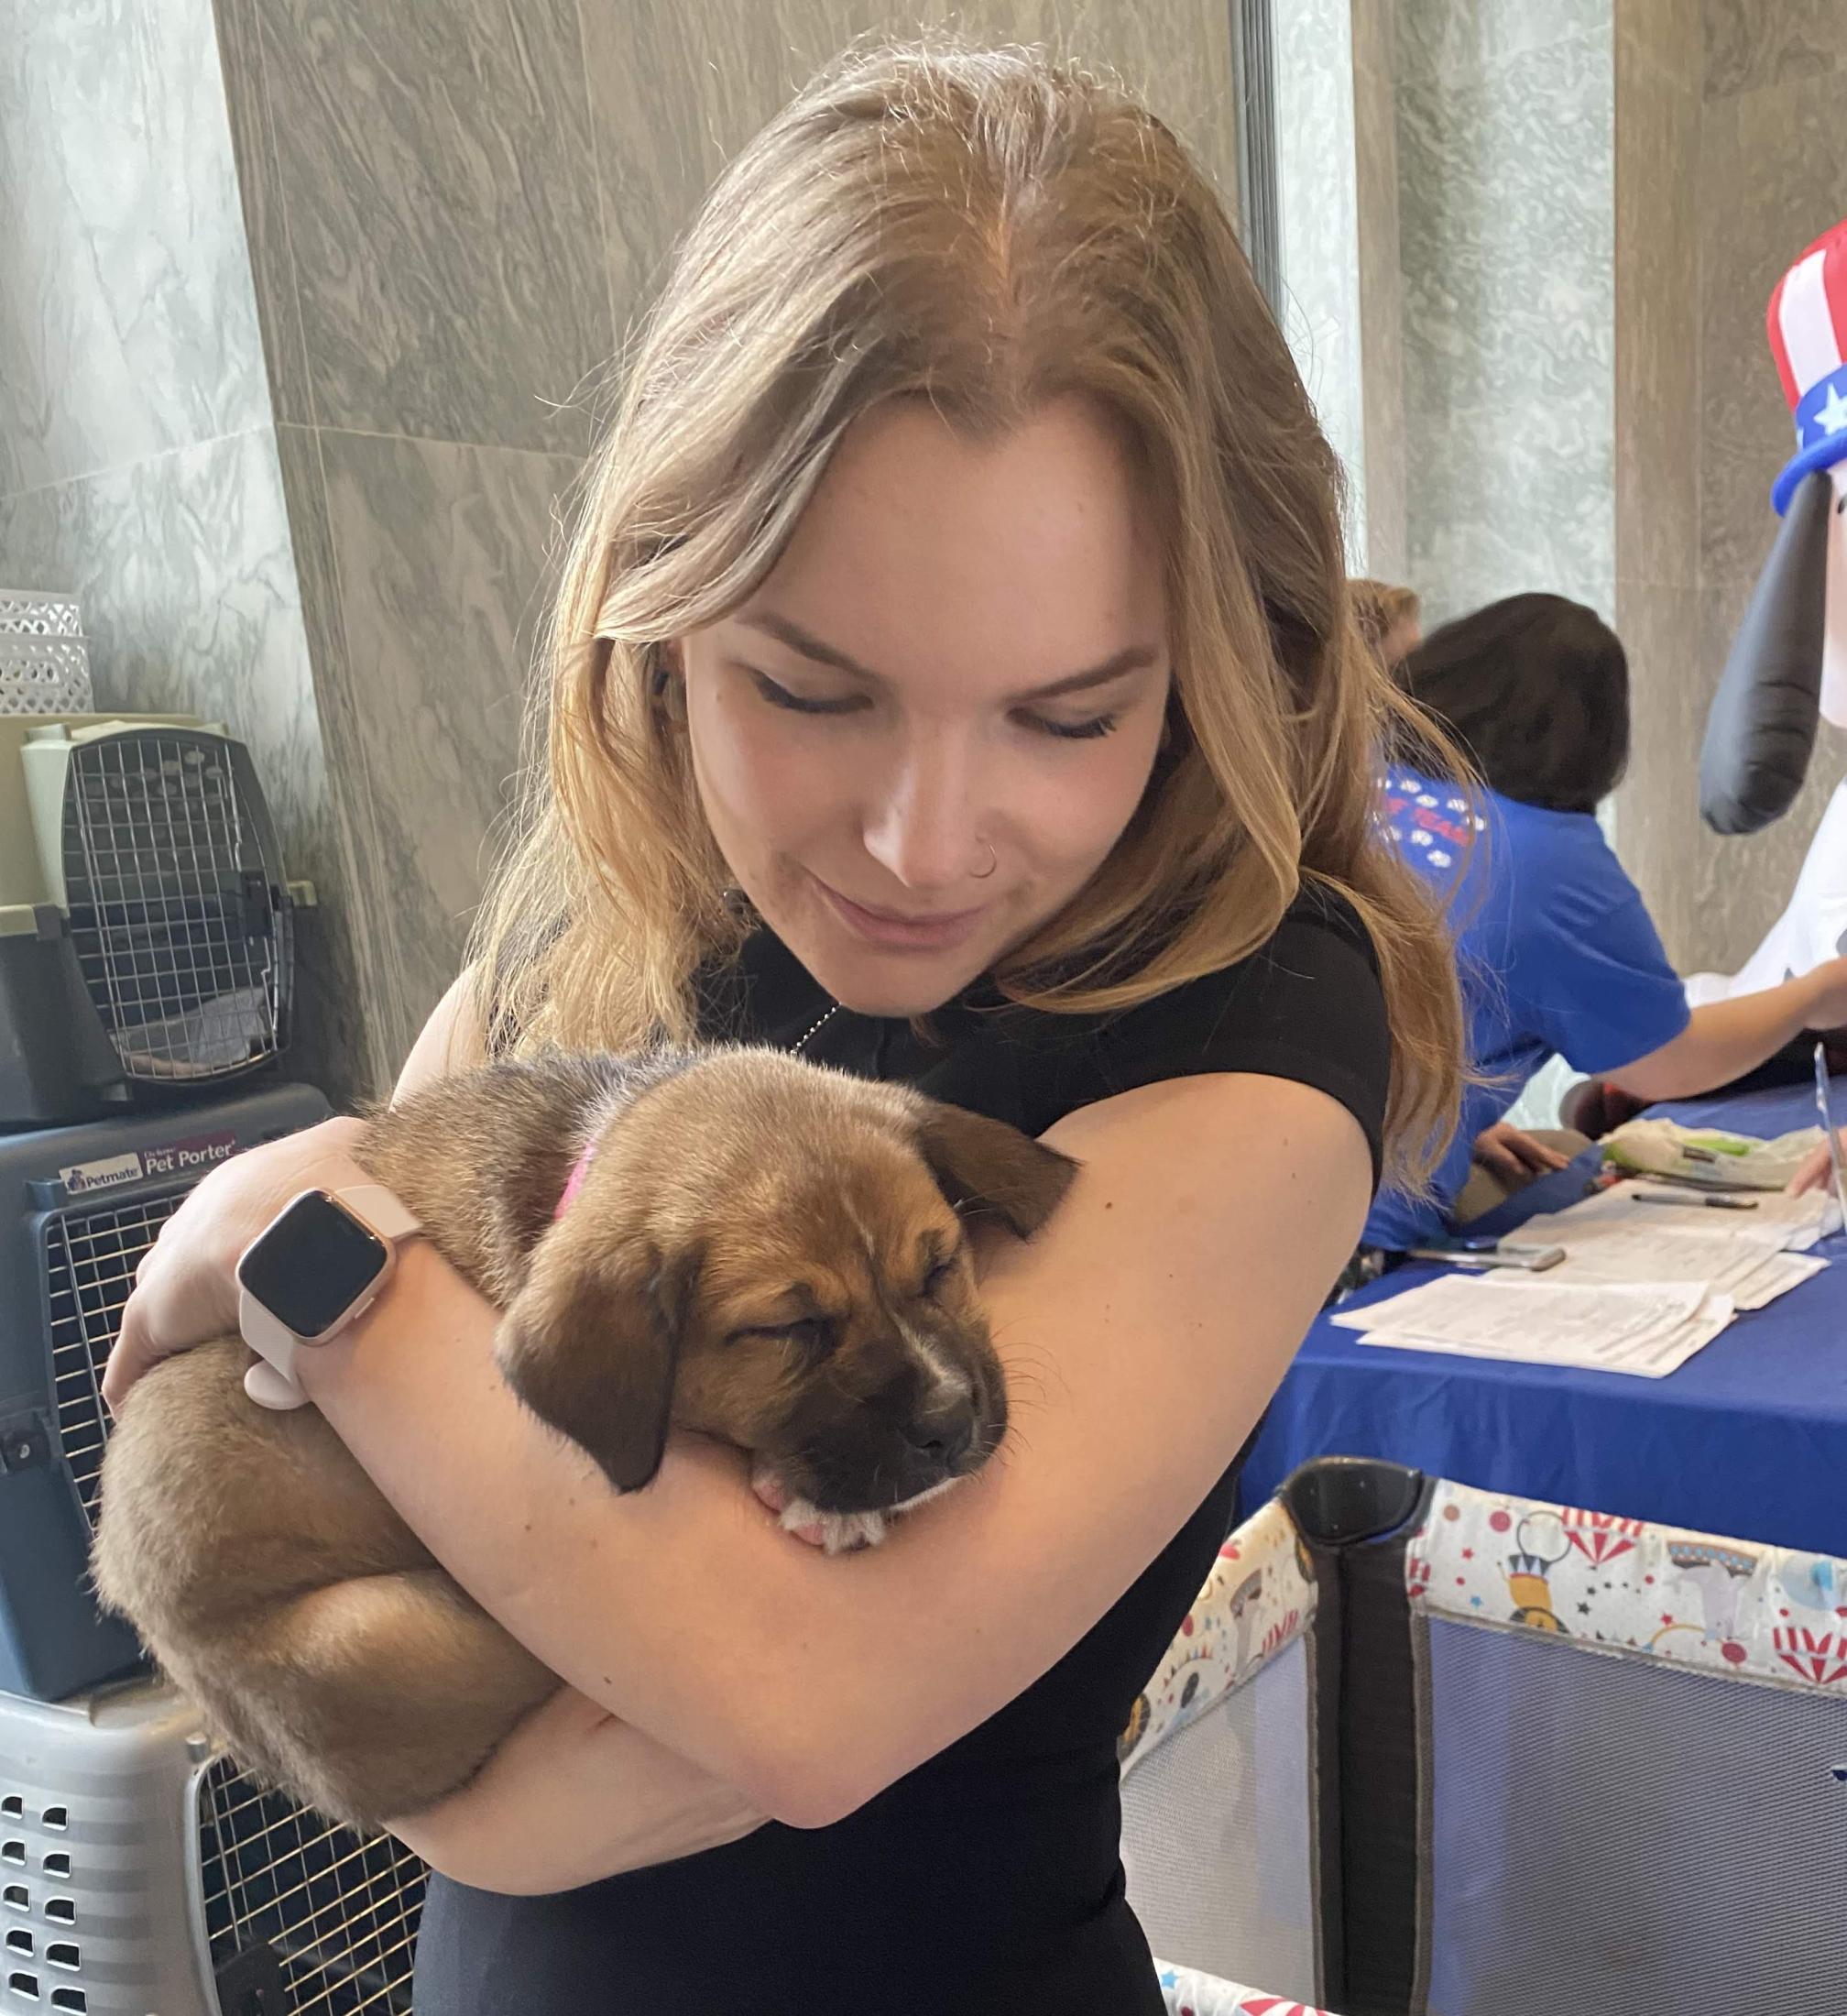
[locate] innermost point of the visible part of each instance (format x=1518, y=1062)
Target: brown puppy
x=761, y=1250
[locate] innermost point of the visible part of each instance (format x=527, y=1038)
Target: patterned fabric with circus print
x=1259, y=1597
x=1192, y=1994
x=1765, y=1613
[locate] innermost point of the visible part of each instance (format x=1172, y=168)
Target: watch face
x=312, y=1264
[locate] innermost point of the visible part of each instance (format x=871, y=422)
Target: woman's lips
x=894, y=931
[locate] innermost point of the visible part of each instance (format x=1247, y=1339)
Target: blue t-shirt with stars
x=1557, y=952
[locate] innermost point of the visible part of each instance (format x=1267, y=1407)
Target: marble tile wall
x=676, y=91
x=426, y=238
x=1505, y=168
x=1659, y=76
x=126, y=323
x=138, y=465
x=1318, y=230
x=1378, y=258
x=440, y=550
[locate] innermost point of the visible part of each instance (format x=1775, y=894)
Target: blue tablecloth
x=1747, y=1439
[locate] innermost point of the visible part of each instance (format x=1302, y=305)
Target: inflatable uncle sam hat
x=1788, y=661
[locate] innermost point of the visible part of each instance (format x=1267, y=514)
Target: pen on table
x=1695, y=1203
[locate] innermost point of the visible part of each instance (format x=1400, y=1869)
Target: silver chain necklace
x=795, y=1049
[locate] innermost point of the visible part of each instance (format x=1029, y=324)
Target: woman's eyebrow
x=1131, y=658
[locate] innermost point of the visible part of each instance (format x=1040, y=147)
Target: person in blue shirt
x=1557, y=952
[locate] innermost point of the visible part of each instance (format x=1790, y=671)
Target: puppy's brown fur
x=762, y=1251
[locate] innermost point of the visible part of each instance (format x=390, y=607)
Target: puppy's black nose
x=943, y=1439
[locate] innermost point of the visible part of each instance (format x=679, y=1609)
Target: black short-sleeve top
x=989, y=1880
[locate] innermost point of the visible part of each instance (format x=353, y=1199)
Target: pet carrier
x=146, y=927
x=44, y=660
x=140, y=1873
x=85, y=1203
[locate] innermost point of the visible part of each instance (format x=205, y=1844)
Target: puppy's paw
x=832, y=1532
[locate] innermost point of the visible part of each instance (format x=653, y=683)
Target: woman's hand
x=1515, y=1156
x=571, y=1797
x=1818, y=1168
x=186, y=1287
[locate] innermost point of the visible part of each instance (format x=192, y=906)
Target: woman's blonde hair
x=987, y=228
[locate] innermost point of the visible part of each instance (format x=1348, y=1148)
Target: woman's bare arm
x=1144, y=1331
x=574, y=1795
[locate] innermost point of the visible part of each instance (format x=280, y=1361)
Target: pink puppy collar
x=575, y=1181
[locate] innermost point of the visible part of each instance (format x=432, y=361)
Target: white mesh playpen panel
x=1634, y=1764
x=1218, y=1833
x=1617, y=1833
x=1218, y=1827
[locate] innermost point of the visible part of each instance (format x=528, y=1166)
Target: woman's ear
x=987, y=1169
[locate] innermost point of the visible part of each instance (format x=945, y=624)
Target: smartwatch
x=314, y=1270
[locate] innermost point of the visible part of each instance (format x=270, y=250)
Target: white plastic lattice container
x=32, y=612
x=44, y=675
x=44, y=660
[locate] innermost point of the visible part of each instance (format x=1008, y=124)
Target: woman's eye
x=1072, y=731
x=797, y=703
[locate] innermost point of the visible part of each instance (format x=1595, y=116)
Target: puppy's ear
x=592, y=1346
x=987, y=1169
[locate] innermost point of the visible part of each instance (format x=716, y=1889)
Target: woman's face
x=927, y=729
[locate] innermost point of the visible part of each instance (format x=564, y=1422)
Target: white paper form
x=1794, y=1223
x=1645, y=1330
x=1738, y=1262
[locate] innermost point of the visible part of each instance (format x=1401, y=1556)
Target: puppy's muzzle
x=902, y=1442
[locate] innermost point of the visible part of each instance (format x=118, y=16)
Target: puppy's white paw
x=832, y=1532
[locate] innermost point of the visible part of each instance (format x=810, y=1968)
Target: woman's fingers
x=1508, y=1153
x=180, y=1299
x=185, y=1286
x=1499, y=1159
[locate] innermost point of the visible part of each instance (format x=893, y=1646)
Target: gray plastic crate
x=79, y=1206
x=141, y=1876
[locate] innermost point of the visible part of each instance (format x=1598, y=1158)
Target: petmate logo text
x=83, y=1177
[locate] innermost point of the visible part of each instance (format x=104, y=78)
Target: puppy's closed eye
x=811, y=1333
x=940, y=1274
x=817, y=1334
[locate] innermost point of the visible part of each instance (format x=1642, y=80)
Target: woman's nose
x=924, y=826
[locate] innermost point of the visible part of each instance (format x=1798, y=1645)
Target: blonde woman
x=952, y=682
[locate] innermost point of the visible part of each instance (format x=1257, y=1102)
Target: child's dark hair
x=1535, y=688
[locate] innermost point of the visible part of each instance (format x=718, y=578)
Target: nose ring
x=981, y=875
